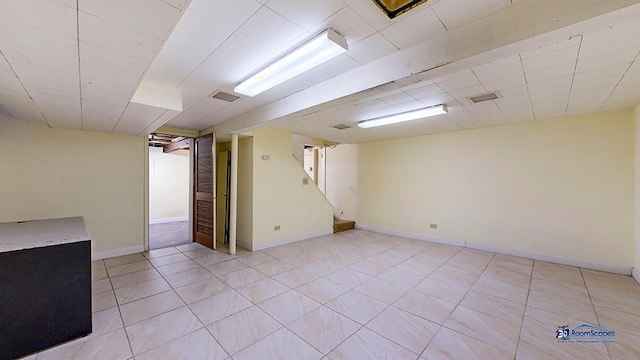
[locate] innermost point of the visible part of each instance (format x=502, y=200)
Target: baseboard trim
x=290, y=240
x=412, y=236
x=611, y=268
x=117, y=252
x=636, y=275
x=169, y=220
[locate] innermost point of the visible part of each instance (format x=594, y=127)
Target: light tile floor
x=352, y=295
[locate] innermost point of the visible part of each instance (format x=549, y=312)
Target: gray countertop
x=40, y=233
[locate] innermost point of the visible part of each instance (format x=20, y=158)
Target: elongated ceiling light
x=405, y=116
x=324, y=47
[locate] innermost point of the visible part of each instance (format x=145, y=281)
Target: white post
x=234, y=194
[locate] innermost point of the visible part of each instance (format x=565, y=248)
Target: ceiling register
x=394, y=8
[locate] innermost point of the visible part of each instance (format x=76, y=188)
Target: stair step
x=343, y=225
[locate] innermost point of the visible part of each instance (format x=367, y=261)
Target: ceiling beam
x=523, y=26
x=178, y=145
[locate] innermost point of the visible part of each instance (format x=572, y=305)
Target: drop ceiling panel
x=306, y=14
x=551, y=59
x=458, y=80
x=116, y=38
x=199, y=115
x=371, y=13
x=136, y=118
x=47, y=17
x=455, y=13
x=618, y=37
x=499, y=69
x=60, y=111
x=372, y=48
x=347, y=23
x=183, y=52
x=515, y=81
x=150, y=17
x=487, y=113
x=102, y=115
x=20, y=106
x=416, y=27
x=551, y=72
x=338, y=65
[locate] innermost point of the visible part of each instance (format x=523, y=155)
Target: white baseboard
x=117, y=252
x=636, y=274
x=611, y=268
x=169, y=220
x=290, y=240
x=412, y=236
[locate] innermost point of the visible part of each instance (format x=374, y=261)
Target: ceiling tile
x=60, y=112
x=339, y=65
x=183, y=52
x=545, y=50
x=416, y=27
x=551, y=72
x=136, y=118
x=458, y=80
x=455, y=13
x=372, y=48
x=101, y=115
x=462, y=94
x=621, y=58
x=545, y=61
x=613, y=39
x=347, y=23
x=372, y=13
x=306, y=14
x=46, y=17
x=515, y=81
x=487, y=113
x=150, y=17
x=424, y=91
x=107, y=35
x=499, y=69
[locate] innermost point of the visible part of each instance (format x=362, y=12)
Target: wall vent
x=485, y=97
x=341, y=126
x=225, y=96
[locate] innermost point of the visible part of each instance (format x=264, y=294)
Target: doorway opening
x=170, y=159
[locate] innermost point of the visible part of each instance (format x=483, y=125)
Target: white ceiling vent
x=220, y=95
x=341, y=126
x=485, y=97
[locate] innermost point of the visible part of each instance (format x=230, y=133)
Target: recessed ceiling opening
x=394, y=8
x=485, y=97
x=220, y=95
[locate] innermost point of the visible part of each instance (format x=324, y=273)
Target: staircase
x=342, y=225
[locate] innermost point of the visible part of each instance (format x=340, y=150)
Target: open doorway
x=314, y=164
x=169, y=191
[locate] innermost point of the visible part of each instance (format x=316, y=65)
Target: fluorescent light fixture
x=406, y=116
x=324, y=47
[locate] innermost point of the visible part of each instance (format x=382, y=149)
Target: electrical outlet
x=276, y=228
x=305, y=181
x=434, y=226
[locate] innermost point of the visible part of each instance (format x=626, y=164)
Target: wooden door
x=204, y=207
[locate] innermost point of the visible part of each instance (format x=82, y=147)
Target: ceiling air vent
x=341, y=126
x=393, y=8
x=225, y=96
x=485, y=97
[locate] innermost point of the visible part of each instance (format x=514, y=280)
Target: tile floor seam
x=459, y=305
x=593, y=306
x=525, y=309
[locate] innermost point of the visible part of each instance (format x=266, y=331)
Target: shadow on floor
x=168, y=234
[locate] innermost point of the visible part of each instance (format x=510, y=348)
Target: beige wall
x=279, y=197
x=342, y=180
x=562, y=187
x=52, y=173
x=244, y=232
x=169, y=176
x=637, y=189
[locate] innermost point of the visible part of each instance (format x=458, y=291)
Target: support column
x=233, y=195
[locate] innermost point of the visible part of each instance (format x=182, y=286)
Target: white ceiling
x=71, y=67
